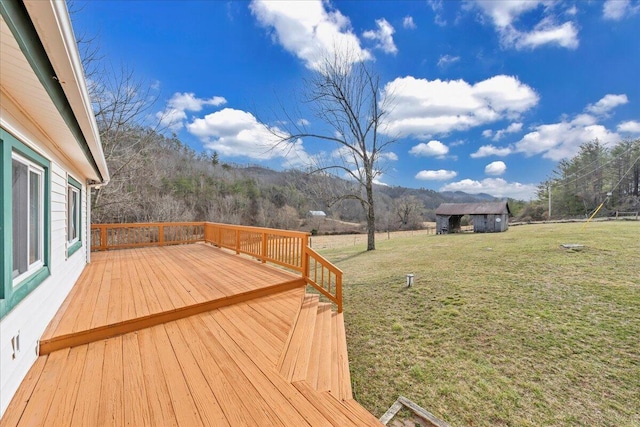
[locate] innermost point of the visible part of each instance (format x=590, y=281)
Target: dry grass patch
x=499, y=329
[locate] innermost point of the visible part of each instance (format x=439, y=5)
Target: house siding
x=32, y=314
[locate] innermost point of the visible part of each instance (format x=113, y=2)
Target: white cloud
x=303, y=122
x=424, y=107
x=562, y=140
x=606, y=104
x=615, y=10
x=236, y=133
x=408, y=23
x=631, y=126
x=446, y=60
x=389, y=156
x=175, y=113
x=309, y=31
x=505, y=15
x=495, y=168
x=439, y=175
x=436, y=6
x=496, y=187
x=430, y=149
x=487, y=133
x=490, y=150
x=512, y=128
x=547, y=32
x=383, y=35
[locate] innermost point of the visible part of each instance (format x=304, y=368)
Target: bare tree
x=345, y=95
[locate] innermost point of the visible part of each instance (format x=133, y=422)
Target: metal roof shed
x=488, y=217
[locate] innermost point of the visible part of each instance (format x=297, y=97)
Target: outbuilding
x=488, y=217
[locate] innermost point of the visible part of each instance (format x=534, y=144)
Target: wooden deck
x=223, y=340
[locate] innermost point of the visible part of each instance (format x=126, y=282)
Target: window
x=27, y=211
x=73, y=216
x=25, y=215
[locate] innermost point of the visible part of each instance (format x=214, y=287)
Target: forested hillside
x=158, y=178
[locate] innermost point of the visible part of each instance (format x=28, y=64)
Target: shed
x=488, y=217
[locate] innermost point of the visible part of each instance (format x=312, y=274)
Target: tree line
x=597, y=175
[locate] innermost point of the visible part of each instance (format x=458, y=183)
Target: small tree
x=345, y=95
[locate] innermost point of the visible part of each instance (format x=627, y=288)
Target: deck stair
x=316, y=350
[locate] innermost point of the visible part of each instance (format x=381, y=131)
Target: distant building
x=490, y=217
x=317, y=214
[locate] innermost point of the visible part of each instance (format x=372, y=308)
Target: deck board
x=217, y=367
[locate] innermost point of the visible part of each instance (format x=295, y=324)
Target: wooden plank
x=22, y=397
x=255, y=329
x=161, y=410
x=109, y=331
x=67, y=315
x=323, y=382
x=101, y=302
x=293, y=398
x=227, y=394
x=266, y=405
x=316, y=349
x=86, y=410
x=36, y=410
x=264, y=353
x=184, y=407
x=64, y=400
x=292, y=408
x=111, y=404
x=204, y=397
x=136, y=404
x=299, y=347
x=324, y=403
x=116, y=296
x=344, y=375
x=335, y=379
x=365, y=416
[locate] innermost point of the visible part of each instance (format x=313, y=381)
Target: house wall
x=30, y=317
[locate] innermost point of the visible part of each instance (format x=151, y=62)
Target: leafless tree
x=346, y=96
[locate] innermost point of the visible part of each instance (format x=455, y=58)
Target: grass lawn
x=499, y=329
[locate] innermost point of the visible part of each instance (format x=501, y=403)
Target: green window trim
x=11, y=294
x=73, y=248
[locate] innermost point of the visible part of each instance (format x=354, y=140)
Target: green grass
x=499, y=329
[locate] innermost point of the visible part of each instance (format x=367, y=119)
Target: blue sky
x=489, y=95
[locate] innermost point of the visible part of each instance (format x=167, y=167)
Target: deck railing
x=289, y=249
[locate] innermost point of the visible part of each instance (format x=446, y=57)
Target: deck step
x=316, y=351
x=319, y=372
x=340, y=376
x=294, y=361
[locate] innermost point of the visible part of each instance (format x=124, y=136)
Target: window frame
x=76, y=243
x=12, y=292
x=32, y=168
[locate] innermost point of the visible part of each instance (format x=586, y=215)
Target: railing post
x=103, y=238
x=304, y=262
x=161, y=235
x=339, y=292
x=237, y=242
x=264, y=248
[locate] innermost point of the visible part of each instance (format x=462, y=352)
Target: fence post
x=237, y=242
x=161, y=234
